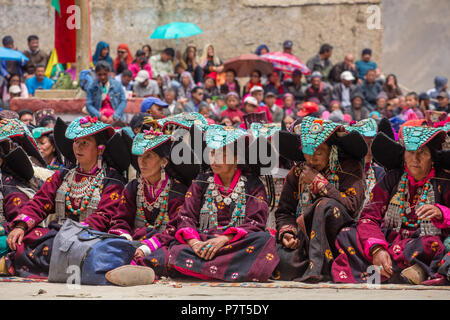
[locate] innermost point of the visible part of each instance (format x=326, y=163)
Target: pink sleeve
x=152, y=243
x=445, y=223
x=239, y=233
x=186, y=234
x=370, y=243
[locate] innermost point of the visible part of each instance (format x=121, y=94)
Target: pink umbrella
x=286, y=62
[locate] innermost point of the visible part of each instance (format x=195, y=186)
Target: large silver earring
x=163, y=173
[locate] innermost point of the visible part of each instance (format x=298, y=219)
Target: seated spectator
x=375, y=115
x=424, y=102
x=334, y=105
x=148, y=51
x=258, y=93
x=196, y=101
x=274, y=84
x=154, y=107
x=344, y=90
x=262, y=49
x=14, y=92
x=14, y=80
x=39, y=81
x=382, y=103
x=34, y=54
x=308, y=109
x=187, y=84
x=209, y=61
x=105, y=98
x=363, y=65
x=391, y=87
x=289, y=105
x=192, y=65
x=250, y=106
x=174, y=107
x=443, y=104
x=321, y=62
x=210, y=86
x=347, y=65
x=255, y=80
x=288, y=120
x=123, y=60
x=164, y=83
x=45, y=118
x=231, y=84
x=140, y=63
x=8, y=67
x=319, y=90
x=144, y=87
x=26, y=116
x=357, y=110
x=232, y=111
x=296, y=87
x=412, y=105
x=206, y=112
x=225, y=121
x=276, y=112
x=102, y=54
x=126, y=79
x=370, y=90
x=440, y=85
x=163, y=62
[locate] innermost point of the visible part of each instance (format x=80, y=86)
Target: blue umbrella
x=176, y=30
x=12, y=55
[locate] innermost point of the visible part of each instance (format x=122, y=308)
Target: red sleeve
x=13, y=203
x=123, y=217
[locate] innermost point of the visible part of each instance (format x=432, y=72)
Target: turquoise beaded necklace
x=404, y=211
x=160, y=202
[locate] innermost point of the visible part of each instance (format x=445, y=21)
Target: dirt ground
x=169, y=291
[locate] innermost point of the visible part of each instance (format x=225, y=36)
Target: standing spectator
x=262, y=49
x=287, y=46
x=148, y=51
x=357, y=110
x=344, y=90
x=35, y=55
x=274, y=84
x=144, y=86
x=321, y=62
x=192, y=65
x=440, y=85
x=391, y=87
x=26, y=116
x=231, y=84
x=140, y=63
x=443, y=102
x=105, y=98
x=125, y=78
x=163, y=62
x=319, y=90
x=102, y=54
x=7, y=68
x=276, y=112
x=232, y=111
x=14, y=81
x=365, y=64
x=347, y=65
x=124, y=58
x=209, y=61
x=174, y=107
x=370, y=89
x=296, y=87
x=255, y=80
x=196, y=101
x=39, y=81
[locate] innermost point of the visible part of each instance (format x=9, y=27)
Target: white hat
x=15, y=89
x=251, y=100
x=142, y=76
x=347, y=76
x=256, y=88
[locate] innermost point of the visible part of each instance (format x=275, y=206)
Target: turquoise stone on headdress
x=367, y=128
x=185, y=120
x=447, y=127
x=85, y=126
x=218, y=136
x=313, y=132
x=414, y=138
x=266, y=130
x=13, y=128
x=143, y=142
x=41, y=131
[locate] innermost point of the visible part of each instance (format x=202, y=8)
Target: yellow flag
x=51, y=63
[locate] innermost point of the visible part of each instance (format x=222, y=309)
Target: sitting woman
x=221, y=231
x=83, y=193
x=149, y=208
x=47, y=146
x=323, y=192
x=402, y=230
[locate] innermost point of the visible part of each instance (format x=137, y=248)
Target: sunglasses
x=121, y=52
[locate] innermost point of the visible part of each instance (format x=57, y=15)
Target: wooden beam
x=83, y=37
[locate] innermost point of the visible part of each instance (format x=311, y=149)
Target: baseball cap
x=142, y=76
x=316, y=74
x=347, y=76
x=251, y=100
x=256, y=88
x=287, y=44
x=270, y=94
x=308, y=108
x=443, y=94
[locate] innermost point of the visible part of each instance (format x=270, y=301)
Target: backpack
x=92, y=252
x=86, y=79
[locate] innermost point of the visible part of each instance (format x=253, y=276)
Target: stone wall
x=233, y=26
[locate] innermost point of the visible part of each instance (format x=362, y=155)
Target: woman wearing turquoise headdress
x=149, y=208
x=221, y=231
x=83, y=193
x=402, y=230
x=323, y=192
x=47, y=146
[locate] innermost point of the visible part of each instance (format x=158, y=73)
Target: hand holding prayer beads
x=290, y=241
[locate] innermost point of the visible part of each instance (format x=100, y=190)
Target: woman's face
x=263, y=51
x=419, y=162
x=150, y=164
x=190, y=53
x=230, y=77
x=185, y=80
x=209, y=83
x=45, y=147
x=221, y=162
x=391, y=80
x=273, y=77
x=14, y=81
x=288, y=102
x=104, y=52
x=159, y=80
x=232, y=102
x=334, y=107
x=210, y=51
x=288, y=120
x=319, y=160
x=255, y=79
x=122, y=53
x=147, y=51
x=86, y=151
